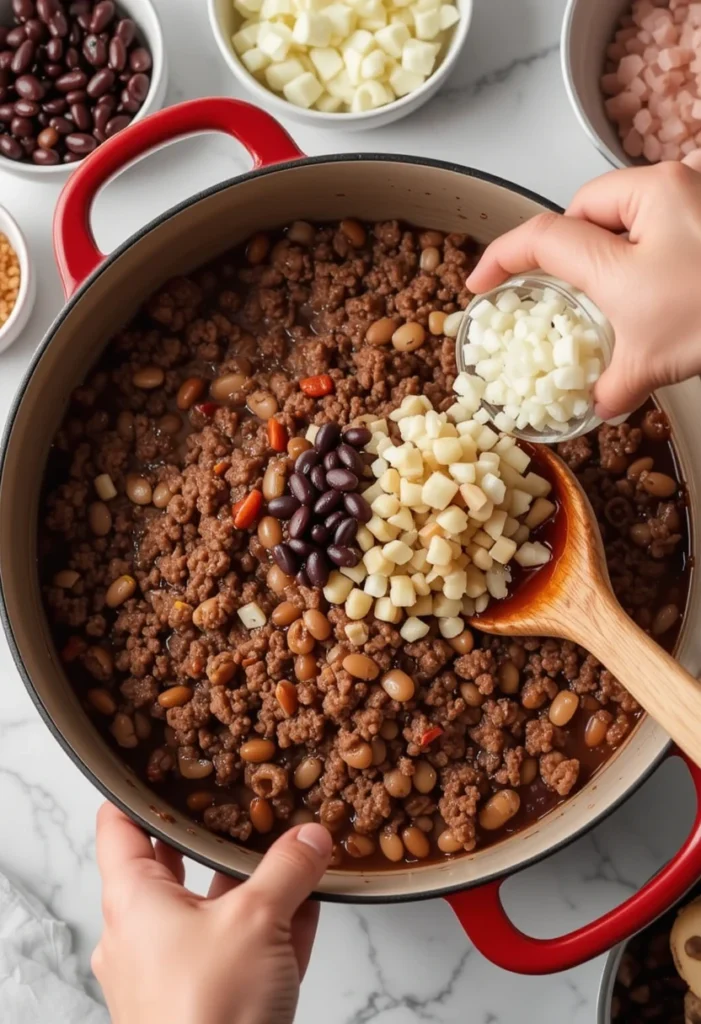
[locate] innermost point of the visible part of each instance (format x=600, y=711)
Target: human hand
x=167, y=956
x=647, y=283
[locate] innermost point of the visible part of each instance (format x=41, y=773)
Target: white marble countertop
x=505, y=111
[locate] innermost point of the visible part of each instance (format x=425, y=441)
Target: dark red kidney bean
x=100, y=136
x=36, y=31
x=332, y=521
x=318, y=569
x=76, y=96
x=46, y=9
x=350, y=459
x=357, y=506
x=29, y=144
x=306, y=460
x=138, y=87
x=342, y=480
x=331, y=461
x=28, y=87
x=4, y=93
x=75, y=35
x=284, y=507
x=299, y=522
x=62, y=125
x=327, y=437
x=22, y=127
x=72, y=81
x=84, y=21
x=302, y=578
x=7, y=112
x=72, y=58
x=45, y=157
x=6, y=58
x=327, y=503
x=346, y=532
x=102, y=15
x=343, y=556
x=318, y=478
x=79, y=7
x=10, y=148
x=24, y=57
x=127, y=104
x=117, y=124
x=109, y=103
x=301, y=488
x=55, y=106
x=26, y=108
x=82, y=117
x=48, y=138
x=23, y=9
x=5, y=78
x=71, y=158
x=16, y=36
x=125, y=75
x=101, y=117
x=58, y=26
x=95, y=51
x=285, y=558
x=43, y=119
x=3, y=35
x=319, y=534
x=54, y=70
x=80, y=143
x=100, y=83
x=118, y=55
x=140, y=59
x=301, y=547
x=126, y=31
x=54, y=49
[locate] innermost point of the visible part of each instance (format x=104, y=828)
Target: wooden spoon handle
x=667, y=691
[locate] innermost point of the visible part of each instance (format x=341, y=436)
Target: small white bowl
x=225, y=21
x=149, y=26
x=17, y=320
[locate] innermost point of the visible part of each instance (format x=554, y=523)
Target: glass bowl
x=526, y=286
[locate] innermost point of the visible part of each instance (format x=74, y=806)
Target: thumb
x=693, y=160
x=621, y=388
x=291, y=869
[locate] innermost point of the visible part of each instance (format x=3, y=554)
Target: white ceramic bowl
x=17, y=320
x=225, y=21
x=588, y=28
x=149, y=27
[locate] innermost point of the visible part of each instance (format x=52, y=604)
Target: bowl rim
x=25, y=297
x=566, y=42
x=402, y=106
x=156, y=42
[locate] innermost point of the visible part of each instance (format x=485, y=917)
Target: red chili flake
x=316, y=387
x=277, y=435
x=73, y=649
x=207, y=409
x=430, y=735
x=246, y=511
x=221, y=467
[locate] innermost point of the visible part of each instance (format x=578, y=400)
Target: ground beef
x=222, y=715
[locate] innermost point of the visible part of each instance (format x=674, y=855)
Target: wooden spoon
x=571, y=597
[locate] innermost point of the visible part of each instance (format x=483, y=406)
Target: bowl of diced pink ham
x=632, y=69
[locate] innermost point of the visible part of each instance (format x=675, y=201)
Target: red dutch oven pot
x=103, y=292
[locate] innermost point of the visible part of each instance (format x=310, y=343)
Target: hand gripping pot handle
x=482, y=915
x=77, y=254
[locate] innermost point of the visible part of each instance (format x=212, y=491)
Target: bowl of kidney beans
x=73, y=73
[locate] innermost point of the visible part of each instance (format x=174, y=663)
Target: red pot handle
x=77, y=254
x=481, y=913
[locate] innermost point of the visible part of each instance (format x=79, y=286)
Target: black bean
x=331, y=461
x=327, y=437
x=73, y=80
x=95, y=51
x=300, y=521
x=80, y=143
x=327, y=503
x=318, y=478
x=302, y=578
x=140, y=59
x=102, y=15
x=332, y=521
x=16, y=36
x=36, y=31
x=306, y=460
x=319, y=534
x=22, y=127
x=118, y=55
x=350, y=458
x=55, y=106
x=344, y=556
x=284, y=507
x=45, y=157
x=23, y=9
x=301, y=488
x=28, y=87
x=58, y=26
x=346, y=532
x=126, y=30
x=318, y=569
x=62, y=125
x=138, y=87
x=24, y=56
x=100, y=83
x=342, y=480
x=26, y=108
x=301, y=547
x=285, y=558
x=357, y=506
x=81, y=117
x=117, y=124
x=357, y=436
x=54, y=49
x=10, y=148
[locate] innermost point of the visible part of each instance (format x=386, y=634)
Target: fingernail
x=317, y=837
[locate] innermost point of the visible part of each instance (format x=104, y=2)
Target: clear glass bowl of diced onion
x=534, y=381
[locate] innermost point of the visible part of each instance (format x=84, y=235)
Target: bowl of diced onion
x=530, y=353
x=348, y=63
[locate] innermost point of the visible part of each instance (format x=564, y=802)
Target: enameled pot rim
x=86, y=770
